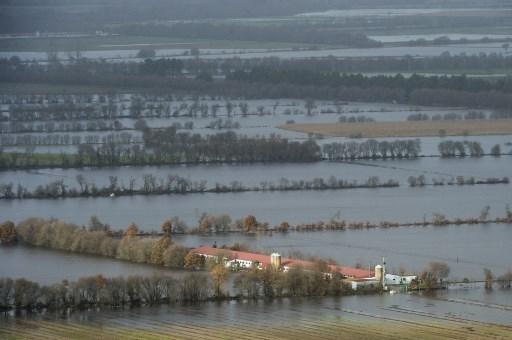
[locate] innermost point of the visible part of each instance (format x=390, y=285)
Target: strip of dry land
x=406, y=128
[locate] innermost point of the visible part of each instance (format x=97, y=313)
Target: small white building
x=364, y=283
x=391, y=279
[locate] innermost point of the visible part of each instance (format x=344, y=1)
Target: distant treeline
x=271, y=82
x=457, y=116
x=335, y=79
x=288, y=32
x=372, y=149
x=450, y=148
x=50, y=127
x=173, y=184
x=405, y=64
x=421, y=181
x=67, y=139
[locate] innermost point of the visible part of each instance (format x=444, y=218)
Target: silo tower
x=379, y=273
x=275, y=261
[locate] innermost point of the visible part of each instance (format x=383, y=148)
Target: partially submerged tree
x=219, y=275
x=8, y=233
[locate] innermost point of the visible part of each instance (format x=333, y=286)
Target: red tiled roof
x=264, y=260
x=233, y=254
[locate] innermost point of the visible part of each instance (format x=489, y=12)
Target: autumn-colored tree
x=100, y=281
x=8, y=233
x=219, y=275
x=167, y=227
x=132, y=230
x=250, y=223
x=158, y=250
x=439, y=270
x=194, y=261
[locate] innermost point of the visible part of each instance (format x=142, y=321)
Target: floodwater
x=254, y=174
x=402, y=204
x=470, y=49
x=467, y=249
x=50, y=266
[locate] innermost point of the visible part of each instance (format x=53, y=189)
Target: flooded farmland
x=174, y=169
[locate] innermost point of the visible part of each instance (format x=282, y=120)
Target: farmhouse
x=241, y=259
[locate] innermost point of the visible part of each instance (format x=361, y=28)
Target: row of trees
x=450, y=116
x=290, y=32
x=67, y=139
x=227, y=147
x=355, y=119
x=404, y=64
x=421, y=181
x=50, y=126
x=372, y=149
x=99, y=239
x=173, y=184
x=166, y=146
x=451, y=148
x=100, y=291
x=337, y=79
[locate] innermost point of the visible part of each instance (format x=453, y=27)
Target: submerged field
x=406, y=129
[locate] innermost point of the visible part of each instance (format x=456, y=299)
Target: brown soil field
x=407, y=128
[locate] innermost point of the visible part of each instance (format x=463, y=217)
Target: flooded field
x=402, y=204
x=49, y=266
x=383, y=317
x=95, y=85
x=254, y=174
x=474, y=48
x=408, y=248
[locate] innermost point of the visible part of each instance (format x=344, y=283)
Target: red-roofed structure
x=247, y=260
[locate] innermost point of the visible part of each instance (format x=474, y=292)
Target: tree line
x=457, y=116
x=372, y=149
x=421, y=181
x=289, y=32
x=227, y=147
x=404, y=64
x=174, y=184
x=50, y=127
x=99, y=291
x=166, y=146
x=274, y=83
x=450, y=148
x=336, y=79
x=67, y=139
